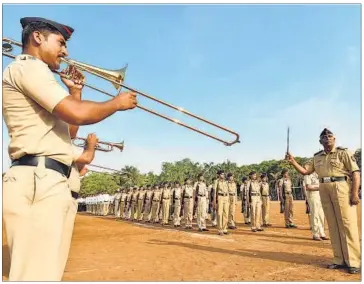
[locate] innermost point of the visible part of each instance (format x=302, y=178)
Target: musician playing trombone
x=37, y=111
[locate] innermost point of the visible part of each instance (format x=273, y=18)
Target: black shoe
x=336, y=266
x=293, y=226
x=205, y=230
x=227, y=233
x=254, y=230
x=260, y=230
x=354, y=270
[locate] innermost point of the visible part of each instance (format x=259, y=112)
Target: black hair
x=41, y=27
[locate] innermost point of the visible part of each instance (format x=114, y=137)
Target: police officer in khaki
x=141, y=197
x=245, y=200
x=221, y=202
x=165, y=203
x=285, y=190
x=37, y=111
x=255, y=200
x=147, y=210
x=339, y=179
x=232, y=200
x=311, y=185
x=188, y=202
x=265, y=199
x=200, y=189
x=177, y=200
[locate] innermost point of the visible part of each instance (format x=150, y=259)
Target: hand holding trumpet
x=72, y=78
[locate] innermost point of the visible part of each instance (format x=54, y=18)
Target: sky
x=255, y=69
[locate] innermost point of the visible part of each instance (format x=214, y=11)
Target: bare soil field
x=106, y=249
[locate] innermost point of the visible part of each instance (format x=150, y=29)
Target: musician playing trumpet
x=37, y=111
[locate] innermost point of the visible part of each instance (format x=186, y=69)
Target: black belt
x=187, y=197
x=30, y=160
x=201, y=195
x=255, y=194
x=332, y=179
x=232, y=194
x=265, y=195
x=222, y=194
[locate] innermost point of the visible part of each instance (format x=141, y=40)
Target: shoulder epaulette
x=341, y=148
x=319, y=152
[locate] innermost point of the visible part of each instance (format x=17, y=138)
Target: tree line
x=94, y=183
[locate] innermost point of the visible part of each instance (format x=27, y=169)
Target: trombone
x=101, y=167
x=81, y=142
x=116, y=77
x=108, y=169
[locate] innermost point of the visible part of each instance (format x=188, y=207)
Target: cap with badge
x=66, y=31
x=326, y=132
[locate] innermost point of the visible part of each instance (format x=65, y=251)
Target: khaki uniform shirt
x=232, y=188
x=285, y=185
x=134, y=197
x=30, y=93
x=188, y=191
x=264, y=188
x=157, y=194
x=253, y=187
x=148, y=194
x=339, y=162
x=123, y=197
x=311, y=179
x=118, y=196
x=177, y=192
x=221, y=187
x=141, y=195
x=201, y=189
x=166, y=193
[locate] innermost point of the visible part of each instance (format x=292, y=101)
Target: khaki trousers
x=122, y=209
x=155, y=209
x=133, y=210
x=247, y=218
x=147, y=210
x=265, y=209
x=117, y=208
x=165, y=209
x=222, y=213
x=176, y=213
x=317, y=217
x=35, y=205
x=139, y=210
x=201, y=212
x=188, y=211
x=106, y=206
x=256, y=212
x=288, y=209
x=232, y=206
x=68, y=232
x=342, y=222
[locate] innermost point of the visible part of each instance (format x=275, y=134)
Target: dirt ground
x=104, y=249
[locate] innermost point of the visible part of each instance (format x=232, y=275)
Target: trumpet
x=116, y=77
x=81, y=142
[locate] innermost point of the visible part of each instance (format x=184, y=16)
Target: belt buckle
x=326, y=179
